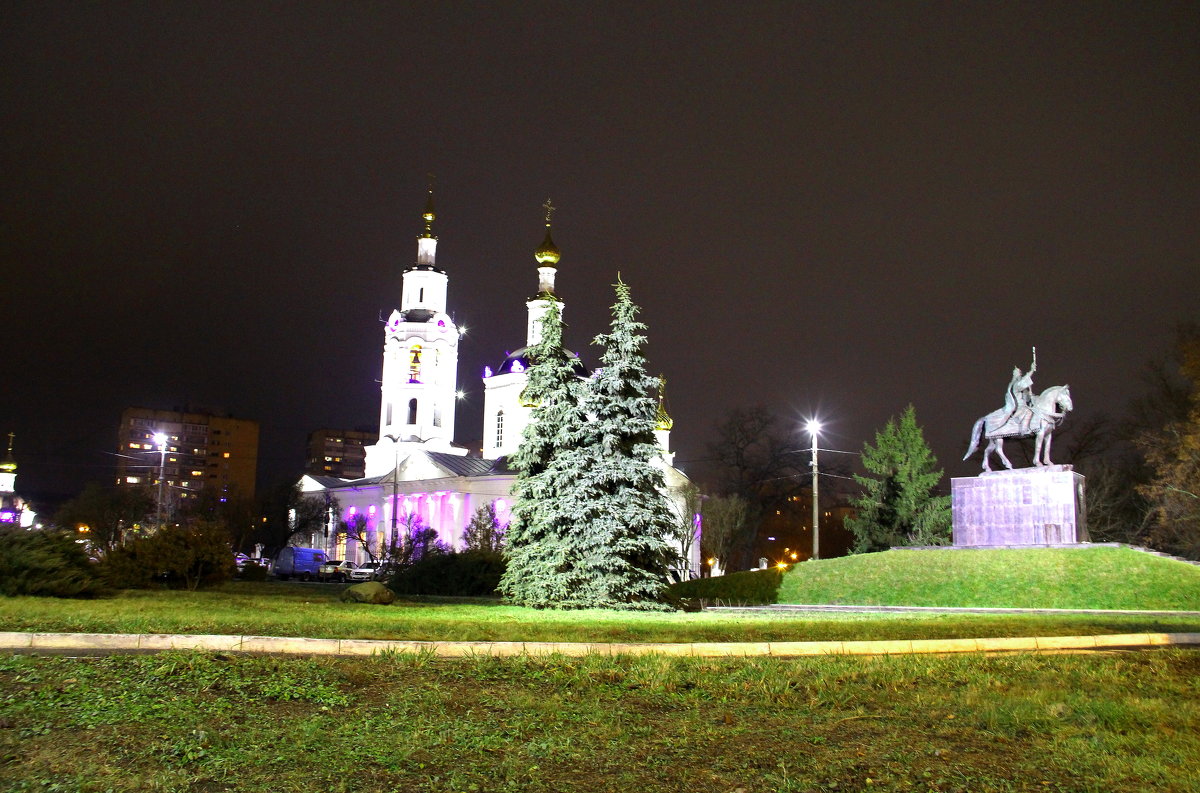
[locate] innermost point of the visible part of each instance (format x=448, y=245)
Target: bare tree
x=357, y=528
x=484, y=532
x=724, y=527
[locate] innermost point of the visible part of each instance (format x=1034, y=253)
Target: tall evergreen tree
x=543, y=567
x=622, y=539
x=898, y=505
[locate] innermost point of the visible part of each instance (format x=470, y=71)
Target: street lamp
x=160, y=439
x=814, y=427
x=395, y=439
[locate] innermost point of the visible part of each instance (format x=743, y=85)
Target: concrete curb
x=800, y=609
x=105, y=643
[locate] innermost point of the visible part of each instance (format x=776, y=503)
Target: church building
x=13, y=508
x=414, y=471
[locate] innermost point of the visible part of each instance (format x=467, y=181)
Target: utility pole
x=814, y=427
x=161, y=439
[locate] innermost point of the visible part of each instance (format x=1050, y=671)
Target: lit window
x=197, y=473
x=135, y=446
x=225, y=455
x=133, y=480
x=499, y=429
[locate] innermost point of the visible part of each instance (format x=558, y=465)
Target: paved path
x=110, y=643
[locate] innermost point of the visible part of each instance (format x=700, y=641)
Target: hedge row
x=750, y=588
x=467, y=574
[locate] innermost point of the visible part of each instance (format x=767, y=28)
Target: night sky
x=834, y=207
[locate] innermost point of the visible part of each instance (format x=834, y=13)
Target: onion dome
x=9, y=465
x=663, y=420
x=520, y=361
x=547, y=254
x=428, y=216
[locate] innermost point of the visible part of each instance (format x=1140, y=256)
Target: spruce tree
x=622, y=539
x=542, y=564
x=898, y=505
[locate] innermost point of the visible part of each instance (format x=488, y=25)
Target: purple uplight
x=487, y=372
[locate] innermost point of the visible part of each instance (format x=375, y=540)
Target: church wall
x=502, y=392
x=444, y=504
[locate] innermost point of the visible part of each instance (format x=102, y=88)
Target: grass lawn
x=212, y=722
x=201, y=722
x=1083, y=578
x=313, y=610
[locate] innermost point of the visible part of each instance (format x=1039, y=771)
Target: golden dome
x=663, y=420
x=547, y=253
x=428, y=215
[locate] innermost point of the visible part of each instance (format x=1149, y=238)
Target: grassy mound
x=1073, y=578
x=747, y=588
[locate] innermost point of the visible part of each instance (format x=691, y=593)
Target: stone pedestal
x=1025, y=506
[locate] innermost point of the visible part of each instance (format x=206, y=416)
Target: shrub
x=469, y=573
x=48, y=563
x=749, y=588
x=252, y=571
x=189, y=556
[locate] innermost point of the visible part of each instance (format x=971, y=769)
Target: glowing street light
x=813, y=428
x=160, y=440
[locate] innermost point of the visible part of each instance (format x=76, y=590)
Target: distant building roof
x=330, y=482
x=471, y=466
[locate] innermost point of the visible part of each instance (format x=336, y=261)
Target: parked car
x=335, y=570
x=303, y=563
x=368, y=571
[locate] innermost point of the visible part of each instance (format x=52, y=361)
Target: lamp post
x=814, y=427
x=160, y=438
x=395, y=439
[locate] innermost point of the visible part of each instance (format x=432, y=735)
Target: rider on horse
x=1023, y=415
x=1018, y=400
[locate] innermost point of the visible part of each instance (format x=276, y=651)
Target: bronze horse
x=1039, y=420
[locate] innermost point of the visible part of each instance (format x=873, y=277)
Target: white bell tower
x=419, y=385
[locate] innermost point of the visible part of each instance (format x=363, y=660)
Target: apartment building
x=204, y=452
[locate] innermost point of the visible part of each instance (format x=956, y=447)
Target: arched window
x=412, y=411
x=499, y=429
x=414, y=364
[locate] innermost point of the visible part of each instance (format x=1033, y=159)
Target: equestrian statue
x=1023, y=415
